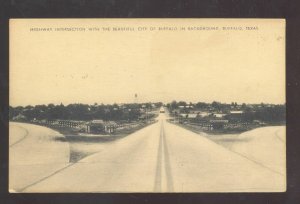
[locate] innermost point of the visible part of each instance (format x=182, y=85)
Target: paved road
x=34, y=154
x=162, y=158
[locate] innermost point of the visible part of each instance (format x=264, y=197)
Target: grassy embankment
x=86, y=144
x=238, y=130
x=82, y=145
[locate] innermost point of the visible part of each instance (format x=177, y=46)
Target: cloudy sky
x=159, y=65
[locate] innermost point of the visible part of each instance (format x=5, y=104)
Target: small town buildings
x=19, y=117
x=236, y=112
x=204, y=114
x=100, y=126
x=219, y=115
x=218, y=124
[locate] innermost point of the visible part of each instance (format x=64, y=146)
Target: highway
x=34, y=154
x=161, y=157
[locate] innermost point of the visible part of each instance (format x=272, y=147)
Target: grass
x=198, y=129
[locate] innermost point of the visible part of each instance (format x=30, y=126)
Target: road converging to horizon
x=161, y=157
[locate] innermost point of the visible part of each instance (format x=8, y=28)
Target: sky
x=244, y=66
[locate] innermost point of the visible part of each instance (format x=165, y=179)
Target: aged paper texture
x=147, y=105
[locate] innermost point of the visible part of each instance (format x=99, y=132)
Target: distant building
x=189, y=115
x=204, y=114
x=192, y=115
x=100, y=126
x=237, y=112
x=219, y=124
x=219, y=115
x=235, y=116
x=19, y=117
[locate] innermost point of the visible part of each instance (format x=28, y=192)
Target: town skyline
x=145, y=102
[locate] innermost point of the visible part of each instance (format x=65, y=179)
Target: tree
x=216, y=105
x=201, y=105
x=173, y=105
x=182, y=103
x=244, y=106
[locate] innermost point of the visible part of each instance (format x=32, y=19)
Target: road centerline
x=163, y=168
x=157, y=182
x=168, y=168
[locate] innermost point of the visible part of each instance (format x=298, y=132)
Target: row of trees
x=273, y=114
x=81, y=111
x=263, y=112
x=205, y=106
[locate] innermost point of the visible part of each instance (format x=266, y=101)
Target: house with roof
x=235, y=115
x=219, y=115
x=218, y=124
x=100, y=126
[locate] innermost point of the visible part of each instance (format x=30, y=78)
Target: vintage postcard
x=147, y=105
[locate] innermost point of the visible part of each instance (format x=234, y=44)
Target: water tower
x=135, y=98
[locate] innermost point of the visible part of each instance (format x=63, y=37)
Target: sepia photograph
x=147, y=105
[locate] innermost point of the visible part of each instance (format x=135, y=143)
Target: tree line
x=80, y=111
x=269, y=113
